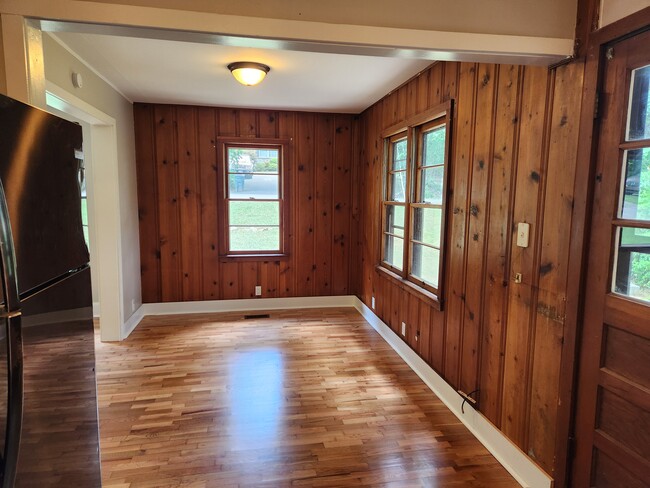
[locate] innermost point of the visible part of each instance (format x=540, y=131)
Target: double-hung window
x=415, y=187
x=253, y=203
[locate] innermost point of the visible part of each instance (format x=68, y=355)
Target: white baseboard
x=252, y=304
x=248, y=304
x=133, y=321
x=520, y=466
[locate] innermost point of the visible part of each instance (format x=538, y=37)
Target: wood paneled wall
x=514, y=150
x=177, y=198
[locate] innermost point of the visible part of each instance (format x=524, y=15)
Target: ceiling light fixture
x=248, y=73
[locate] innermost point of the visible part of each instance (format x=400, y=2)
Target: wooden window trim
x=390, y=141
x=284, y=161
x=414, y=129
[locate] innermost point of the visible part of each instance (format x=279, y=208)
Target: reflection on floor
x=303, y=398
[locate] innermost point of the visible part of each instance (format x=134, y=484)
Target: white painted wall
x=613, y=10
x=59, y=66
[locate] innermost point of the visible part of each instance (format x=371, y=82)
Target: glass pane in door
x=632, y=265
x=635, y=186
x=638, y=122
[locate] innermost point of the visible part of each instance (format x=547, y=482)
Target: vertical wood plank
x=521, y=295
x=168, y=211
x=435, y=88
x=268, y=124
x=145, y=146
x=323, y=208
x=395, y=312
x=411, y=97
x=424, y=326
x=412, y=322
x=390, y=115
x=553, y=269
x=250, y=278
x=247, y=123
x=305, y=191
x=341, y=205
x=422, y=101
x=402, y=103
x=228, y=120
x=209, y=179
x=496, y=274
x=270, y=276
x=459, y=178
x=188, y=189
x=287, y=277
x=437, y=341
x=450, y=81
x=477, y=219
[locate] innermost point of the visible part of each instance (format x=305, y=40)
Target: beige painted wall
x=613, y=10
x=547, y=18
x=59, y=66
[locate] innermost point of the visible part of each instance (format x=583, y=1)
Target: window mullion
x=408, y=197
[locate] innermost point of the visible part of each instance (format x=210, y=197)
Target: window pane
x=632, y=273
x=635, y=198
x=242, y=160
x=254, y=238
x=431, y=185
x=254, y=213
x=433, y=152
x=638, y=126
x=426, y=225
x=425, y=263
x=399, y=155
x=397, y=186
x=394, y=251
x=253, y=186
x=395, y=220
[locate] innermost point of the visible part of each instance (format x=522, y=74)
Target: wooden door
x=613, y=409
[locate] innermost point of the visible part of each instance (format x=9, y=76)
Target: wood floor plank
x=304, y=398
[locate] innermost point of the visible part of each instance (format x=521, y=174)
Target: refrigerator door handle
x=8, y=258
x=15, y=400
x=13, y=326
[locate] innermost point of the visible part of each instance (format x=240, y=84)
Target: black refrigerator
x=48, y=400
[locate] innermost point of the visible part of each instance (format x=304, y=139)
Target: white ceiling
x=179, y=72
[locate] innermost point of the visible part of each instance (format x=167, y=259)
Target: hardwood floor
x=305, y=398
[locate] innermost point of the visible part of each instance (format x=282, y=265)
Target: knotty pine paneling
x=177, y=195
x=514, y=149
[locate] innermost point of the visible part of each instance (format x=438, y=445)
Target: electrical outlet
x=258, y=291
x=133, y=305
x=372, y=302
x=404, y=328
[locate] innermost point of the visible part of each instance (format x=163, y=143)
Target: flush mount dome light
x=248, y=73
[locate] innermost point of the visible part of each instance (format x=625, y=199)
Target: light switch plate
x=258, y=291
x=372, y=302
x=523, y=232
x=404, y=328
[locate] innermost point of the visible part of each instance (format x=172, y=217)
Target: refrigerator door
x=11, y=352
x=40, y=175
x=60, y=437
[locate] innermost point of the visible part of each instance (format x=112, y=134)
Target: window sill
x=231, y=258
x=412, y=288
